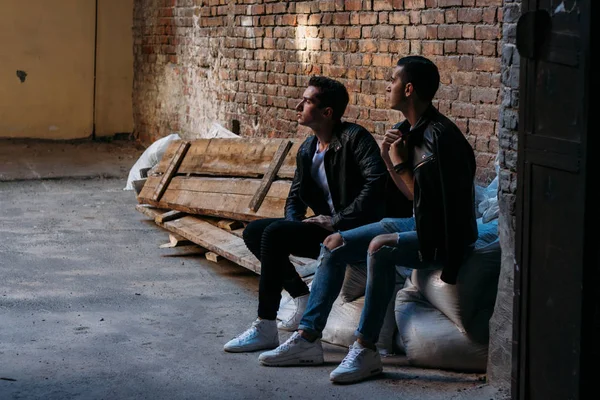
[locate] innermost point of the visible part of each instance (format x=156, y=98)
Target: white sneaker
x=295, y=351
x=260, y=336
x=359, y=364
x=292, y=324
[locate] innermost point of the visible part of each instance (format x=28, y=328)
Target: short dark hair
x=331, y=94
x=422, y=73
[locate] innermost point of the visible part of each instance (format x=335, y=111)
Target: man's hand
x=395, y=145
x=388, y=239
x=323, y=221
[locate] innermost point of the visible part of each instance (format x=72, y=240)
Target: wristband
x=400, y=167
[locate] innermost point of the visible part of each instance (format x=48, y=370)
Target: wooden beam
x=270, y=175
x=219, y=197
x=169, y=216
x=230, y=245
x=214, y=257
x=174, y=241
x=149, y=211
x=248, y=157
x=229, y=224
x=215, y=239
x=171, y=170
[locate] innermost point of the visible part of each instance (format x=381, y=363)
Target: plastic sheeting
x=149, y=158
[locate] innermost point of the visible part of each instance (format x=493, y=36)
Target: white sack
x=149, y=158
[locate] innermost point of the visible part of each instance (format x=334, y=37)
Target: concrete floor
x=92, y=308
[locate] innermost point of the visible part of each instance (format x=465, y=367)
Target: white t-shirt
x=317, y=172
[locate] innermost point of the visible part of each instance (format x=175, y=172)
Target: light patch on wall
x=302, y=52
x=203, y=85
x=53, y=128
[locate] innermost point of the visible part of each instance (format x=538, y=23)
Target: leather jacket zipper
x=429, y=159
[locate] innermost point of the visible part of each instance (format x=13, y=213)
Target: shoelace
x=293, y=339
x=295, y=314
x=351, y=356
x=248, y=333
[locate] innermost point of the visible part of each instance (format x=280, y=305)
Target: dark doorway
x=556, y=274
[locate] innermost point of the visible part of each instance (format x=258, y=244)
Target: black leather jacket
x=443, y=165
x=356, y=175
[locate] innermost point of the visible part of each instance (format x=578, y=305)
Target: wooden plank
x=238, y=232
x=216, y=240
x=214, y=257
x=169, y=216
x=226, y=244
x=174, y=241
x=241, y=186
x=250, y=157
x=171, y=170
x=269, y=176
x=222, y=224
x=209, y=237
x=220, y=197
x=230, y=224
x=149, y=211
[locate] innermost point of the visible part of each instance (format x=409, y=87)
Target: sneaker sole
x=293, y=361
x=355, y=378
x=250, y=349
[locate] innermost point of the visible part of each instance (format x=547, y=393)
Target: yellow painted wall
x=53, y=42
x=114, y=67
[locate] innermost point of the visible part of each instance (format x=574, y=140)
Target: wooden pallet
x=237, y=179
x=247, y=157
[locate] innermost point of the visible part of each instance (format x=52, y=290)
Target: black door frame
x=590, y=262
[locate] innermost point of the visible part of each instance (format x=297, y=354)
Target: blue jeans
x=381, y=274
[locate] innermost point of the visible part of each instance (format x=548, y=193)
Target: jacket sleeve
x=295, y=209
x=457, y=171
x=368, y=206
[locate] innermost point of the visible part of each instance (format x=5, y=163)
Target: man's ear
x=409, y=89
x=328, y=112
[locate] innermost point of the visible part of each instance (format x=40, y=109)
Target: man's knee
x=387, y=239
x=333, y=241
x=253, y=231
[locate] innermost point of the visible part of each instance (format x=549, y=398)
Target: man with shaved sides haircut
x=341, y=177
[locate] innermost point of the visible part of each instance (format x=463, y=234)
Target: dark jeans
x=272, y=241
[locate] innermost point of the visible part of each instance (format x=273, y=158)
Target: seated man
x=341, y=176
x=431, y=162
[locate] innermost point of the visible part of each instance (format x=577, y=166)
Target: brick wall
x=204, y=61
x=500, y=353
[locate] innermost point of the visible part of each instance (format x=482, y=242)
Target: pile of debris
x=207, y=190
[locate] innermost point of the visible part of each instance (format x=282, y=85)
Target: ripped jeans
x=381, y=274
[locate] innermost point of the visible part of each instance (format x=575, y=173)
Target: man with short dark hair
x=341, y=176
x=433, y=164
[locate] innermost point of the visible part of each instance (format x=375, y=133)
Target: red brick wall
x=204, y=61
